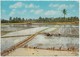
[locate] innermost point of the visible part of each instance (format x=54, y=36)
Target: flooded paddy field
x=61, y=37
x=6, y=28
x=42, y=41
x=8, y=42
x=64, y=38
x=10, y=28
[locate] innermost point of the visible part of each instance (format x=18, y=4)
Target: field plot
x=56, y=38
x=68, y=38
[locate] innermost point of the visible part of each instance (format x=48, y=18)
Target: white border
x=41, y=0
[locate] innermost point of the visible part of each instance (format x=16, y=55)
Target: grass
x=59, y=23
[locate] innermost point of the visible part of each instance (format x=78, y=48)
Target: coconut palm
x=64, y=12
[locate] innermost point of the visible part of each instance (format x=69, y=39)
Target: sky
x=35, y=9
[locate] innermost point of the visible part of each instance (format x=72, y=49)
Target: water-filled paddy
x=8, y=42
x=42, y=41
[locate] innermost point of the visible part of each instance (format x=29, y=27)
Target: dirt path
x=41, y=52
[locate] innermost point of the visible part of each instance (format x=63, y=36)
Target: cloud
x=46, y=13
x=24, y=11
x=32, y=11
x=31, y=6
x=64, y=6
x=50, y=12
x=17, y=12
x=71, y=6
x=16, y=5
x=61, y=6
x=53, y=5
x=20, y=4
x=12, y=12
x=37, y=11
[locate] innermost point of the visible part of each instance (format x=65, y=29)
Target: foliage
x=39, y=20
x=64, y=12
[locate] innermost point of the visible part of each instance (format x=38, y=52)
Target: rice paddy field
x=61, y=37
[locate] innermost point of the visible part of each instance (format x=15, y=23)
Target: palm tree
x=64, y=12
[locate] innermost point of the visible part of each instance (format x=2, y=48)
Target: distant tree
x=14, y=20
x=64, y=12
x=40, y=19
x=23, y=19
x=4, y=21
x=10, y=19
x=19, y=19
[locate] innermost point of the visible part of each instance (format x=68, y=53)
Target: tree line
x=39, y=20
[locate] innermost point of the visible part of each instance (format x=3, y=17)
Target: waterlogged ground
x=25, y=32
x=11, y=28
x=42, y=41
x=13, y=38
x=69, y=37
x=8, y=42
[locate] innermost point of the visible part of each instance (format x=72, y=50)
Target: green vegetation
x=64, y=12
x=40, y=20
